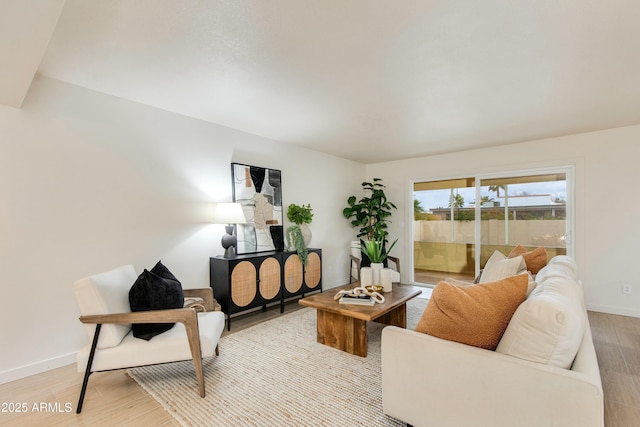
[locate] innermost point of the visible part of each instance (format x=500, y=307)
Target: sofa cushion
x=565, y=262
x=535, y=259
x=475, y=315
x=548, y=327
x=153, y=292
x=559, y=266
x=106, y=293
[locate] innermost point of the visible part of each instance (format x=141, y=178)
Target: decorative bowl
x=374, y=288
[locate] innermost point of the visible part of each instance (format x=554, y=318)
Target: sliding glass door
x=459, y=223
x=444, y=232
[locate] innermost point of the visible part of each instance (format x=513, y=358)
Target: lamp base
x=229, y=242
x=230, y=252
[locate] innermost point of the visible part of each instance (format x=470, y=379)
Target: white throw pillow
x=500, y=267
x=458, y=282
x=106, y=293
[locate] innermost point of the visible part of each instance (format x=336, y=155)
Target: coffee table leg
x=342, y=332
x=396, y=317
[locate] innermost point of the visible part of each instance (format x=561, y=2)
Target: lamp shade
x=228, y=213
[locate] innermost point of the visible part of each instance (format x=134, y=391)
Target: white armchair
x=104, y=307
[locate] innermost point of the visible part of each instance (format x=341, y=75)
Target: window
x=459, y=223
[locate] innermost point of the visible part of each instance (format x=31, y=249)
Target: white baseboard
x=37, y=368
x=621, y=311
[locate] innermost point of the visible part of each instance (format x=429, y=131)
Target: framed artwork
x=259, y=191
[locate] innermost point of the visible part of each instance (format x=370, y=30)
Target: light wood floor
x=114, y=399
x=617, y=343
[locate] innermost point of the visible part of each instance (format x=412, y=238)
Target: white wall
x=89, y=182
x=606, y=165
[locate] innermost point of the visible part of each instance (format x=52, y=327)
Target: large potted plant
x=371, y=213
x=298, y=235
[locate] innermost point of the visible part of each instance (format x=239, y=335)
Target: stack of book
x=361, y=299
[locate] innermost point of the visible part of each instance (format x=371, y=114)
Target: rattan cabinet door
x=243, y=283
x=300, y=279
x=292, y=274
x=313, y=271
x=269, y=279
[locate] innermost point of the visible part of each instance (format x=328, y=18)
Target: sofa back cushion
x=562, y=267
x=106, y=293
x=548, y=327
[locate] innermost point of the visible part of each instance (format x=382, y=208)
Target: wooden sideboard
x=248, y=281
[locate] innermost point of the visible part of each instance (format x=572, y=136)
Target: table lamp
x=229, y=214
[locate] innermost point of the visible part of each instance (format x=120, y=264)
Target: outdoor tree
x=418, y=210
x=496, y=188
x=456, y=201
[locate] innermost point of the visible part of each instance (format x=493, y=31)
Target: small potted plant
x=298, y=235
x=376, y=252
x=374, y=249
x=300, y=214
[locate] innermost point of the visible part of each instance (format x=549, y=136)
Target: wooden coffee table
x=344, y=326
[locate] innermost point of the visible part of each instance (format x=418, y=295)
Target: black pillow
x=162, y=271
x=153, y=292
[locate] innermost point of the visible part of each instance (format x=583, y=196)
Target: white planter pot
x=376, y=267
x=306, y=234
x=366, y=276
x=385, y=280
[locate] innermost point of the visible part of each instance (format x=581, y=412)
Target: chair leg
x=217, y=351
x=87, y=372
x=193, y=335
x=197, y=364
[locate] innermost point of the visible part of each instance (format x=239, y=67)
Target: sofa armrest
x=430, y=381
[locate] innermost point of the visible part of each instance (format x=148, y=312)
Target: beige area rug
x=276, y=374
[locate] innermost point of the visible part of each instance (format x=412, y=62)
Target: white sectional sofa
x=544, y=371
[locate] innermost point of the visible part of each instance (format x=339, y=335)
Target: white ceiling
x=367, y=80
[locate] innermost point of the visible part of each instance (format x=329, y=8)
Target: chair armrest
x=396, y=261
x=356, y=260
x=210, y=304
x=182, y=315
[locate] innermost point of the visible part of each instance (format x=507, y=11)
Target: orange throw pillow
x=535, y=259
x=475, y=315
